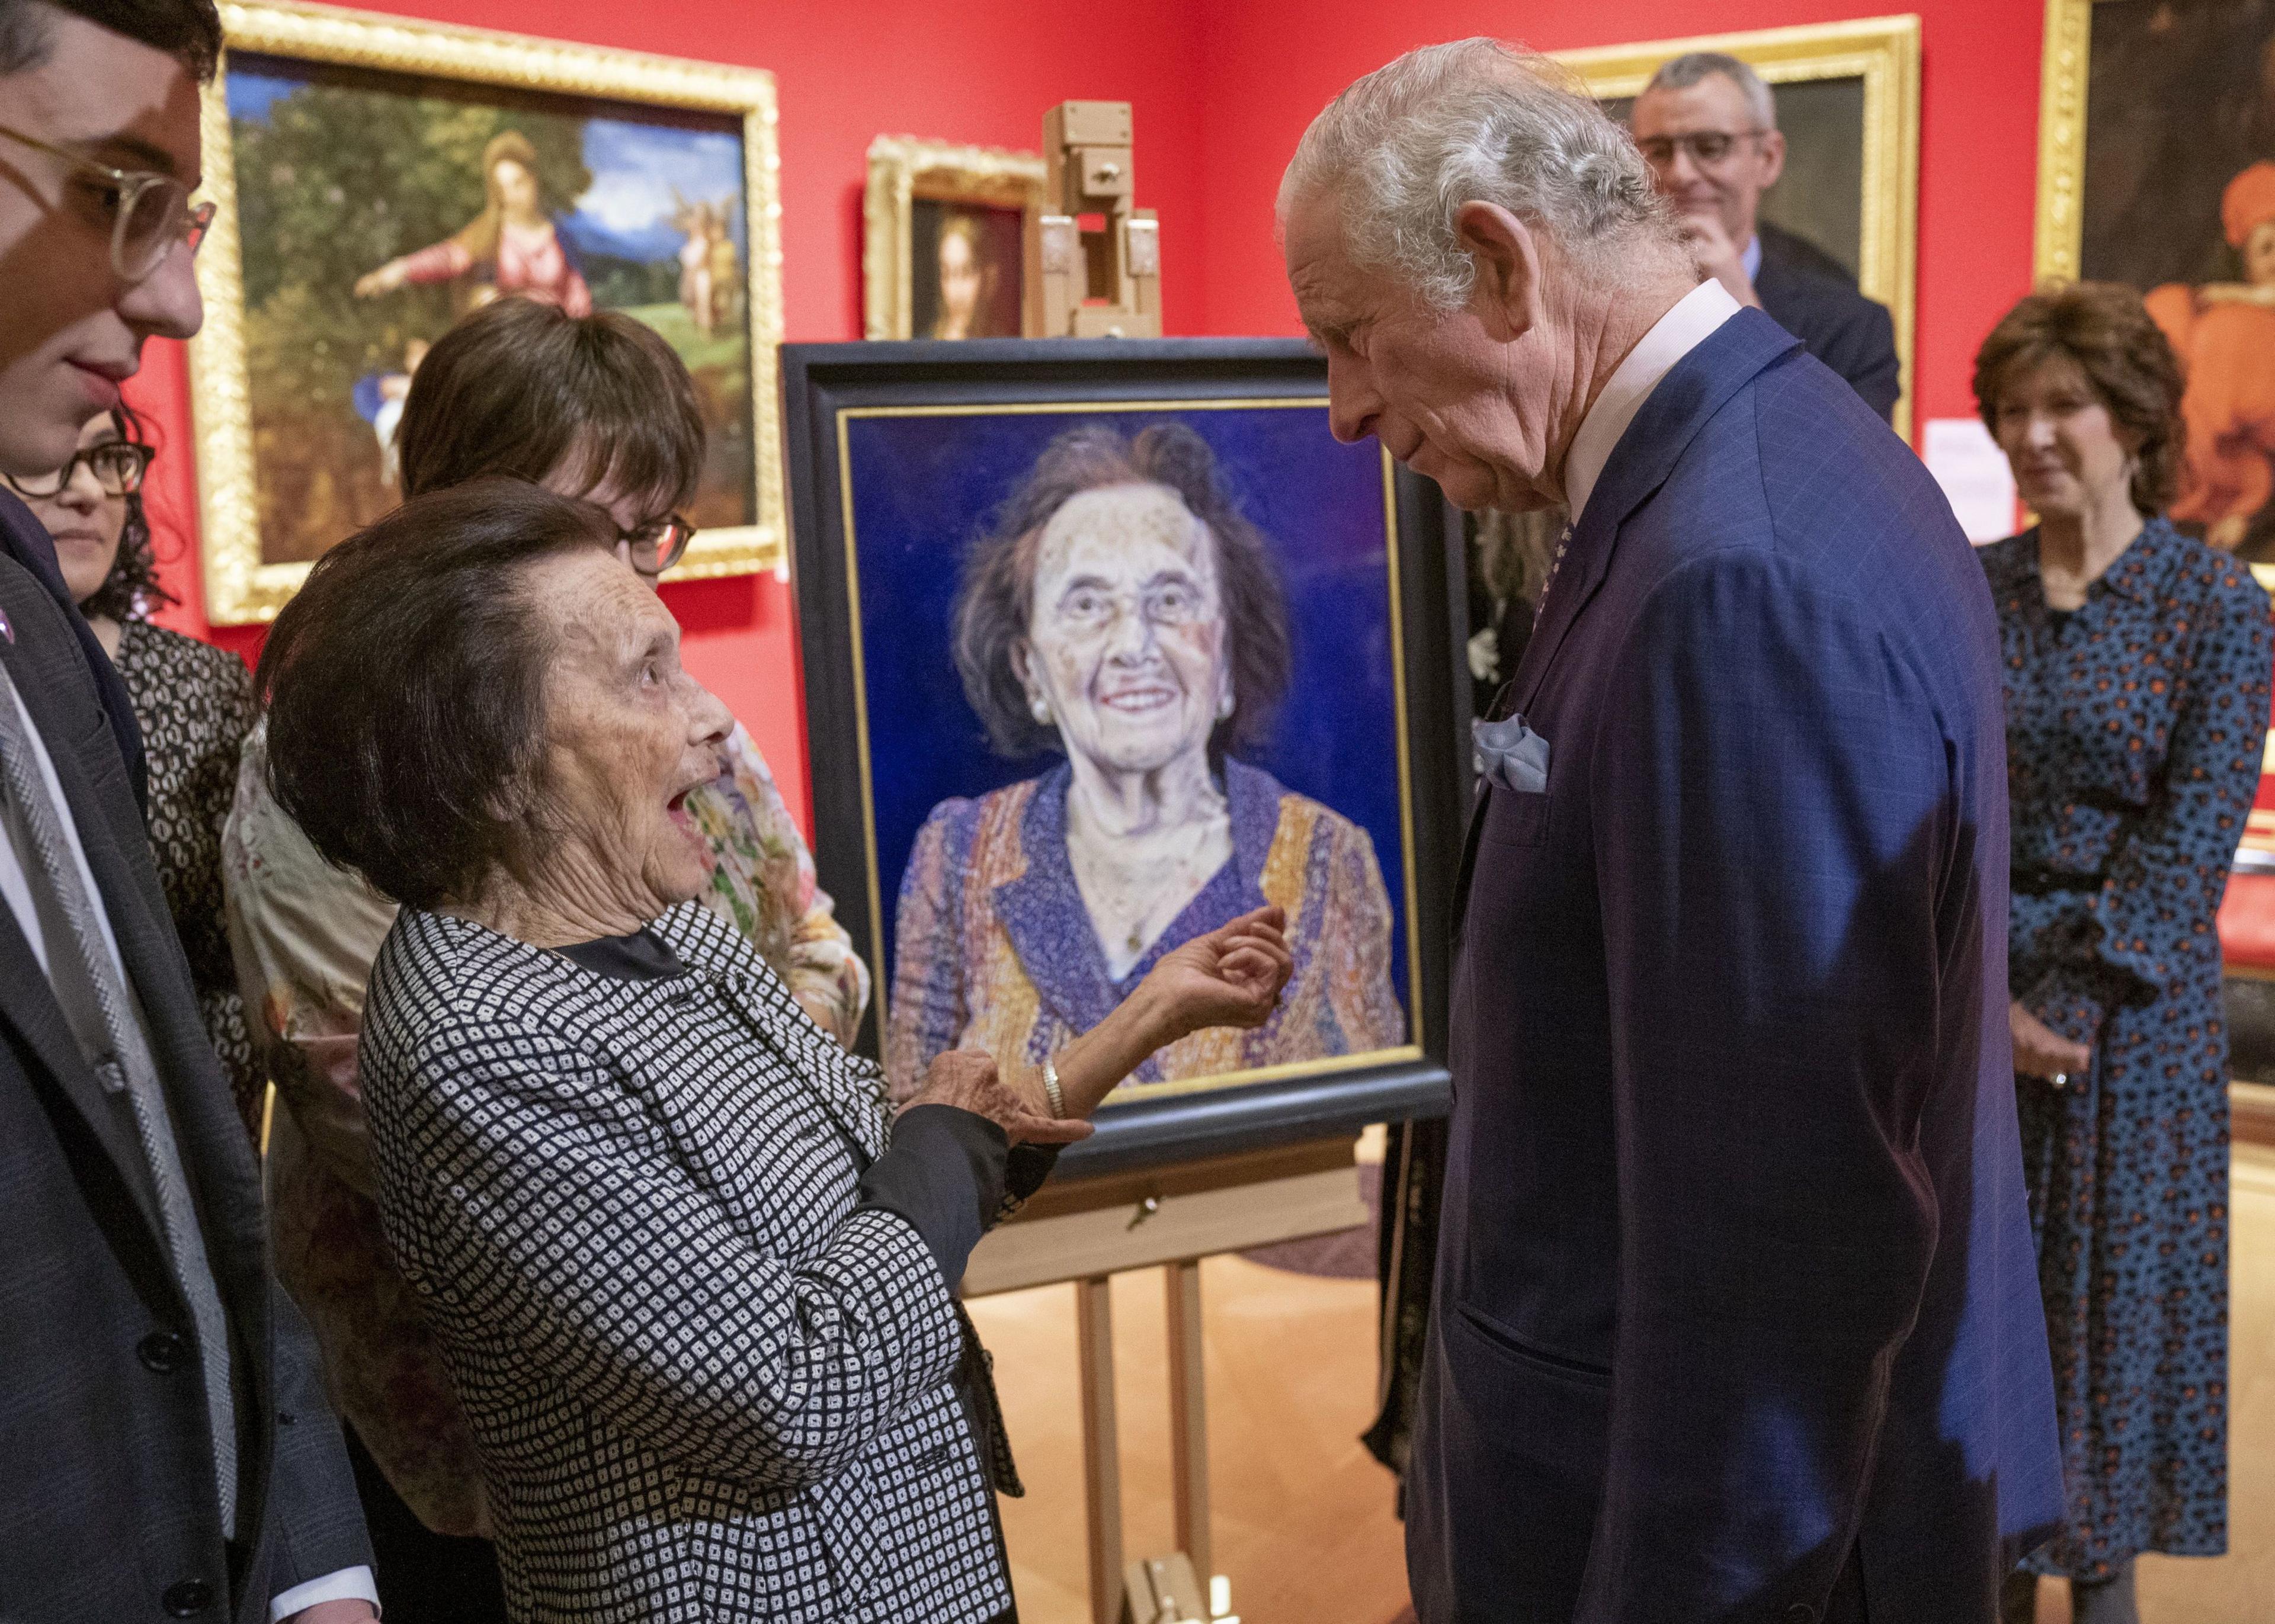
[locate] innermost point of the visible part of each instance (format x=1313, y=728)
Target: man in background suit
x=1736, y=1314
x=1707, y=124
x=168, y=1452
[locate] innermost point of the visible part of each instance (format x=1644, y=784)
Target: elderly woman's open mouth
x=676, y=809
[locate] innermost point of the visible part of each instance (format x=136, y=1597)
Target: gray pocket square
x=1511, y=754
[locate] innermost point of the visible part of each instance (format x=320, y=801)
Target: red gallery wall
x=1222, y=88
x=1270, y=69
x=981, y=70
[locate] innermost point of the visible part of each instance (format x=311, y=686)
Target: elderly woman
x=695, y=1287
x=194, y=703
x=2137, y=671
x=596, y=406
x=1124, y=613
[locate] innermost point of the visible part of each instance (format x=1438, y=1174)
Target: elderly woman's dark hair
x=406, y=689
x=131, y=591
x=996, y=596
x=2104, y=328
x=518, y=386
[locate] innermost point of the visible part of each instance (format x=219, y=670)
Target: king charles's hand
x=346, y=1612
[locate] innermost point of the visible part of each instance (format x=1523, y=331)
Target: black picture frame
x=824, y=382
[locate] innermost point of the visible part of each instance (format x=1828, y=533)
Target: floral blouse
x=303, y=935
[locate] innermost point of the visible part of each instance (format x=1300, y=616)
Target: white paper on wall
x=1974, y=474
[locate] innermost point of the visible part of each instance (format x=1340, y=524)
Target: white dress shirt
x=349, y=1583
x=1696, y=318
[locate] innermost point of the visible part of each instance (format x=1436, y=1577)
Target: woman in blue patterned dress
x=2136, y=698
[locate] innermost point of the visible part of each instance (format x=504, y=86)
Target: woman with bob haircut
x=598, y=407
x=2137, y=672
x=695, y=1284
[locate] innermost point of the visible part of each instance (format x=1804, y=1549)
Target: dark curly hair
x=2106, y=329
x=131, y=591
x=996, y=595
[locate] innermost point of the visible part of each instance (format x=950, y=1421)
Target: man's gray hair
x=1476, y=120
x=1681, y=73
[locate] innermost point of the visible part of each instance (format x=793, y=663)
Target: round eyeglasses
x=1707, y=147
x=658, y=544
x=117, y=466
x=149, y=213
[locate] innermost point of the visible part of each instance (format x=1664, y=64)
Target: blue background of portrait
x=924, y=490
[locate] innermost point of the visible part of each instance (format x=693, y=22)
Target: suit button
x=188, y=1598
x=163, y=1352
x=1800, y=1612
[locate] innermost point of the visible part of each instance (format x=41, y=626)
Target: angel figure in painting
x=2224, y=335
x=513, y=242
x=1124, y=613
x=706, y=275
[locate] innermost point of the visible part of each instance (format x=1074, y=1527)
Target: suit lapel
x=1679, y=407
x=215, y=1156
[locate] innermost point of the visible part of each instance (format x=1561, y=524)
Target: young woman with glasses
x=194, y=702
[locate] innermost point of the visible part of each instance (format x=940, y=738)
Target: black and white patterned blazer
x=704, y=1385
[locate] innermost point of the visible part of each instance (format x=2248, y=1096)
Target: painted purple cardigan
x=995, y=950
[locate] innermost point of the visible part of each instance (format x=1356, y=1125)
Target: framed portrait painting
x=942, y=253
x=378, y=178
x=1107, y=642
x=1847, y=101
x=2157, y=169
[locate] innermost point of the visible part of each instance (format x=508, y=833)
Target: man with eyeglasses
x=1707, y=125
x=169, y=1451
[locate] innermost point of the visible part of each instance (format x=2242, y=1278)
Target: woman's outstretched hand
x=1231, y=977
x=967, y=1079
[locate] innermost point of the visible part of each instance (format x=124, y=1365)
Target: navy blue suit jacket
x=1736, y=1276
x=23, y=538
x=1807, y=292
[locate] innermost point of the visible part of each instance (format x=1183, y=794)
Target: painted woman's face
x=959, y=281
x=517, y=187
x=1126, y=634
x=2259, y=255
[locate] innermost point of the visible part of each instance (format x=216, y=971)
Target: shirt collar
x=1695, y=317
x=1751, y=259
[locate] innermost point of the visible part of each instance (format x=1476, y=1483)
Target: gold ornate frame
x=2061, y=140
x=903, y=169
x=240, y=587
x=1884, y=53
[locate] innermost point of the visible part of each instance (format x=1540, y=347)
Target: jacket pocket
x=1515, y=817
x=1502, y=1342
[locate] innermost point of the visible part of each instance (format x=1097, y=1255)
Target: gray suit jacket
x=107, y=1504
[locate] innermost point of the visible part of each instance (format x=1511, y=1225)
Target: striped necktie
x=1549, y=585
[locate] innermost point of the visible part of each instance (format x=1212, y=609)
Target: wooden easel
x=1168, y=1218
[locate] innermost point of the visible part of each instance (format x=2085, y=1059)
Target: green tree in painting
x=335, y=180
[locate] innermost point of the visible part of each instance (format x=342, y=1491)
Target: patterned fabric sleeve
x=764, y=883
x=1357, y=946
x=927, y=1010
x=644, y=1296
x=2175, y=868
